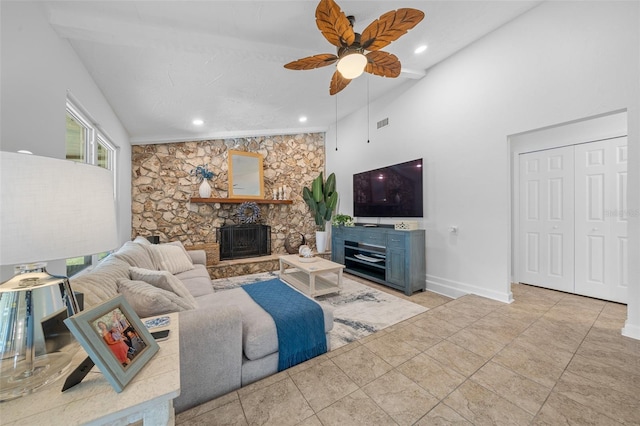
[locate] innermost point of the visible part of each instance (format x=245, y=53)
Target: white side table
x=148, y=397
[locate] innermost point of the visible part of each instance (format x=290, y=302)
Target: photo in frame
x=115, y=339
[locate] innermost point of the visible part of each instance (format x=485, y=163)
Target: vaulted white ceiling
x=160, y=64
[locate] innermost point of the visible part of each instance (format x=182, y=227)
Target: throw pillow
x=163, y=280
x=147, y=300
x=101, y=283
x=142, y=240
x=135, y=255
x=170, y=257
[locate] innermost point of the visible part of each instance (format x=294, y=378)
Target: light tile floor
x=547, y=358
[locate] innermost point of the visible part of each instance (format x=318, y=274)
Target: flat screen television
x=392, y=191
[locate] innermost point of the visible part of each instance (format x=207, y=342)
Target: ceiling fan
x=358, y=53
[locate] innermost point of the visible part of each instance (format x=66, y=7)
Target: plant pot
x=321, y=241
x=205, y=189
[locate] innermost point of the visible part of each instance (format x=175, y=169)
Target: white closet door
x=546, y=219
x=601, y=222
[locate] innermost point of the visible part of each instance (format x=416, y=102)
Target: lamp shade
x=54, y=209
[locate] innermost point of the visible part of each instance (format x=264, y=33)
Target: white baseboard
x=444, y=290
x=631, y=330
x=455, y=289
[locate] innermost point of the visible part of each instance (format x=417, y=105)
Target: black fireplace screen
x=239, y=241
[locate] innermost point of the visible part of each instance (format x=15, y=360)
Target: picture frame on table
x=115, y=339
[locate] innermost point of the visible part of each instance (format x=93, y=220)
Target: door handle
x=594, y=229
x=555, y=227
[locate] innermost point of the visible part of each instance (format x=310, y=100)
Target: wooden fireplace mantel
x=238, y=201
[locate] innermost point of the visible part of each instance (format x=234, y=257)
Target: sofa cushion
x=196, y=280
x=170, y=257
x=101, y=283
x=163, y=280
x=135, y=254
x=147, y=300
x=259, y=334
x=198, y=256
x=254, y=370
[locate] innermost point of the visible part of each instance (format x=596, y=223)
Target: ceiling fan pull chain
x=368, y=111
x=336, y=122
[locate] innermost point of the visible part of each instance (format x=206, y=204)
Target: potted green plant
x=342, y=220
x=322, y=200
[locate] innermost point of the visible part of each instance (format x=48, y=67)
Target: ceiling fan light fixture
x=350, y=60
x=352, y=65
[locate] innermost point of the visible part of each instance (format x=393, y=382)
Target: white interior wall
x=38, y=69
x=560, y=62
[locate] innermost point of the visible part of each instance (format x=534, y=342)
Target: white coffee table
x=314, y=278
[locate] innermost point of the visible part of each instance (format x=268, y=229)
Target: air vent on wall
x=382, y=123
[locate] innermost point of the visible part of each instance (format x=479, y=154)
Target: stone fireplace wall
x=162, y=187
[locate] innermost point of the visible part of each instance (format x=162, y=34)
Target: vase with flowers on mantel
x=204, y=189
x=205, y=175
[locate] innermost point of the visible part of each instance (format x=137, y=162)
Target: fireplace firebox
x=241, y=241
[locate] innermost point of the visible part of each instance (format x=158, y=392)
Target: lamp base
x=17, y=380
x=26, y=302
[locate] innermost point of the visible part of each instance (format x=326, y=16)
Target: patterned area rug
x=358, y=310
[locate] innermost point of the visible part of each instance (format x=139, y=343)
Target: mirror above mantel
x=246, y=178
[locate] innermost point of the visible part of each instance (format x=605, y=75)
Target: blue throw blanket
x=299, y=321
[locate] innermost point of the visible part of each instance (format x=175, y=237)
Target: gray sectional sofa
x=229, y=341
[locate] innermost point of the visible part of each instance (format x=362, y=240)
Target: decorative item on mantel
x=281, y=193
x=204, y=175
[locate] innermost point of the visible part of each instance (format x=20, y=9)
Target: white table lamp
x=50, y=209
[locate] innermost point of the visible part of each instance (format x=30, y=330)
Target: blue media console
x=384, y=255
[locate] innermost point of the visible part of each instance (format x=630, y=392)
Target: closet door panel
x=600, y=224
x=546, y=218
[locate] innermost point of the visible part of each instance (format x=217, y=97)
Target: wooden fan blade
x=389, y=27
x=333, y=24
x=338, y=82
x=311, y=62
x=383, y=64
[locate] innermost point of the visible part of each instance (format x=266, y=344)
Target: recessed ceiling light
x=302, y=119
x=420, y=49
x=198, y=122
